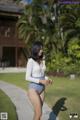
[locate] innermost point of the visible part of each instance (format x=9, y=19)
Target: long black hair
x=36, y=47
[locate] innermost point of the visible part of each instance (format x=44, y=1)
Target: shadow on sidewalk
x=59, y=106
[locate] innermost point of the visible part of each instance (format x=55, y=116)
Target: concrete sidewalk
x=23, y=106
x=12, y=70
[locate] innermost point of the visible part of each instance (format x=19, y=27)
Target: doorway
x=9, y=56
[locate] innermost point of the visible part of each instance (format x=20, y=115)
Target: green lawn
x=62, y=96
x=6, y=105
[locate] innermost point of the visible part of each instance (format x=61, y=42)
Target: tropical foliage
x=57, y=26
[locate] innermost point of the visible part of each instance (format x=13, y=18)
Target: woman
x=35, y=73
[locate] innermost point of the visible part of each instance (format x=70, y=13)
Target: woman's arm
x=29, y=72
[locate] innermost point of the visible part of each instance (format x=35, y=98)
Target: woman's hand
x=50, y=81
x=45, y=82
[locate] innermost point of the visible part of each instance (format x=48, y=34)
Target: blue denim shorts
x=38, y=87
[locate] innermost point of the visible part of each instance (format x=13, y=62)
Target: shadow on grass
x=59, y=106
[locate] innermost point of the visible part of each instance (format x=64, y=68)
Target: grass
x=7, y=106
x=17, y=79
x=62, y=96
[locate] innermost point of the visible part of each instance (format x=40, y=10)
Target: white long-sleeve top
x=35, y=71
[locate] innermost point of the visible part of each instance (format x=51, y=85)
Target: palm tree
x=53, y=24
x=35, y=23
x=70, y=22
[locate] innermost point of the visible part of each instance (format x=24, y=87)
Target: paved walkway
x=12, y=70
x=23, y=106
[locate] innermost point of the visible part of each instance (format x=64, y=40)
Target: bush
x=63, y=67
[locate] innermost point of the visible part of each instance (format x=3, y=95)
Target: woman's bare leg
x=36, y=102
x=42, y=97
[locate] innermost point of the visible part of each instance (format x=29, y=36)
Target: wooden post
x=16, y=60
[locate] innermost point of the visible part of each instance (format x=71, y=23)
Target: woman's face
x=40, y=54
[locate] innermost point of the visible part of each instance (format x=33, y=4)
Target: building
x=11, y=47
